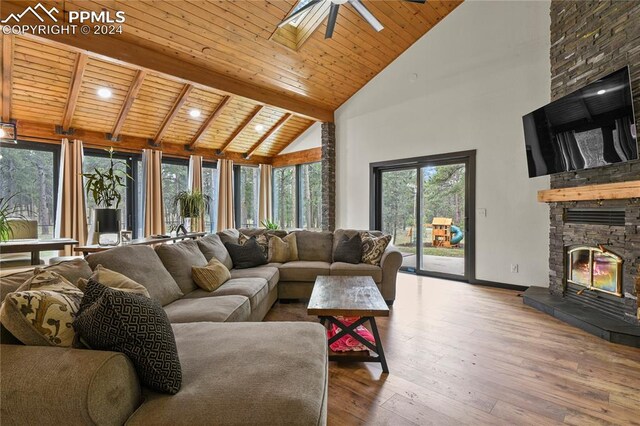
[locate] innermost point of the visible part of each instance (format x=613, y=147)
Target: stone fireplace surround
x=608, y=316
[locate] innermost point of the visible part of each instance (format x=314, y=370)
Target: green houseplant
x=192, y=205
x=104, y=187
x=7, y=211
x=269, y=224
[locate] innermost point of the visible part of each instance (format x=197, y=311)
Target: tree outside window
x=249, y=189
x=311, y=196
x=284, y=197
x=210, y=188
x=174, y=179
x=29, y=175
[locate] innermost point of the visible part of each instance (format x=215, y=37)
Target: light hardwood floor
x=462, y=354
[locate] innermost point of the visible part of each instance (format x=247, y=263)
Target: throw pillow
x=42, y=310
x=247, y=255
x=373, y=248
x=211, y=276
x=114, y=280
x=283, y=250
x=212, y=246
x=261, y=239
x=135, y=325
x=348, y=250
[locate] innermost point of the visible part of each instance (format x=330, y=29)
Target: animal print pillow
x=42, y=310
x=373, y=248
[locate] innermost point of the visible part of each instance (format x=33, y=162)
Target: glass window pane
x=249, y=193
x=284, y=197
x=27, y=175
x=89, y=165
x=311, y=196
x=139, y=208
x=210, y=188
x=174, y=180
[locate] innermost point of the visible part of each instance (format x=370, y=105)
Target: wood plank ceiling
x=204, y=53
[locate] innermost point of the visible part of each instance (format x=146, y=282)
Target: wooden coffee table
x=350, y=297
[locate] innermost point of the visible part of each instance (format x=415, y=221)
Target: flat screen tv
x=592, y=127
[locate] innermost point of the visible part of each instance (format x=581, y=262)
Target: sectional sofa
x=236, y=370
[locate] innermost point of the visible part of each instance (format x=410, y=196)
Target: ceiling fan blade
x=331, y=23
x=298, y=12
x=366, y=15
x=417, y=1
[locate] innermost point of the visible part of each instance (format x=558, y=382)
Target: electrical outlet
x=514, y=268
x=482, y=212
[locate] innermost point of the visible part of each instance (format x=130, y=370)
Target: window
x=284, y=197
x=247, y=194
x=297, y=196
x=29, y=174
x=210, y=188
x=175, y=178
x=95, y=159
x=311, y=196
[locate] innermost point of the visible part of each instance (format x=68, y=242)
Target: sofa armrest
x=49, y=385
x=390, y=264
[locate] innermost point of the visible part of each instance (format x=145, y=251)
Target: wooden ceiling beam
x=136, y=84
x=304, y=129
x=212, y=118
x=311, y=155
x=48, y=133
x=267, y=135
x=119, y=50
x=180, y=100
x=240, y=129
x=74, y=90
x=7, y=66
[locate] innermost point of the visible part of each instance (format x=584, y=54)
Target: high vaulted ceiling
x=211, y=50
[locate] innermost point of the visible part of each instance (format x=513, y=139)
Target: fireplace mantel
x=607, y=191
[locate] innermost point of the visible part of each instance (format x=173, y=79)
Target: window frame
x=236, y=193
x=132, y=202
x=46, y=147
x=176, y=162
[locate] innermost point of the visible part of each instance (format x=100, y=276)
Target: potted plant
x=192, y=205
x=269, y=225
x=7, y=211
x=103, y=186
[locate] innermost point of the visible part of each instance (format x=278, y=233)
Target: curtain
x=225, y=195
x=71, y=212
x=265, y=212
x=195, y=184
x=153, y=216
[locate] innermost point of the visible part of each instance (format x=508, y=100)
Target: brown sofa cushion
x=268, y=272
x=115, y=280
x=65, y=386
x=282, y=249
x=241, y=374
x=348, y=249
x=141, y=264
x=302, y=270
x=211, y=276
x=178, y=259
x=229, y=236
x=212, y=246
x=208, y=309
x=315, y=245
x=71, y=270
x=359, y=270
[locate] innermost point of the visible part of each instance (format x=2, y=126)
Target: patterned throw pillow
x=114, y=280
x=135, y=325
x=211, y=276
x=262, y=240
x=283, y=250
x=42, y=310
x=373, y=248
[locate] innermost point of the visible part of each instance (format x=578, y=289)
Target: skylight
x=299, y=19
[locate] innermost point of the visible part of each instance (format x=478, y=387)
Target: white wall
x=479, y=71
x=311, y=138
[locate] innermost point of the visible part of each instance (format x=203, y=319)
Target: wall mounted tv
x=592, y=127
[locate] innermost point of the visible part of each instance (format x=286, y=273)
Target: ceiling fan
x=305, y=5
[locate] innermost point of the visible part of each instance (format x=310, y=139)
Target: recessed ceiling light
x=2, y=133
x=104, y=93
x=259, y=127
x=195, y=113
x=601, y=92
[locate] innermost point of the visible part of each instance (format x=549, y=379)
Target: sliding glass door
x=424, y=204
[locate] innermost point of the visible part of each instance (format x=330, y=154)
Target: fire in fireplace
x=595, y=268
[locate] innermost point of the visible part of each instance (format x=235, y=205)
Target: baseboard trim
x=495, y=284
